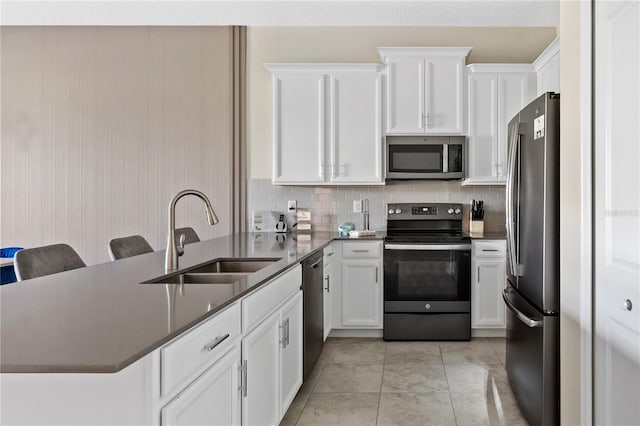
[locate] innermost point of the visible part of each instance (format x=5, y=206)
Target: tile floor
x=360, y=381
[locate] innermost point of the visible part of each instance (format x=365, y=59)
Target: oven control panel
x=426, y=211
x=431, y=210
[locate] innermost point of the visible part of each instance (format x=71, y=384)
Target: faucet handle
x=180, y=248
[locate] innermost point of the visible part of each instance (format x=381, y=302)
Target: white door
x=361, y=293
x=405, y=94
x=291, y=347
x=444, y=96
x=356, y=128
x=261, y=352
x=483, y=133
x=514, y=93
x=213, y=399
x=326, y=300
x=617, y=213
x=487, y=283
x=299, y=128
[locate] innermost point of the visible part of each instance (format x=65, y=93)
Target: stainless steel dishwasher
x=312, y=294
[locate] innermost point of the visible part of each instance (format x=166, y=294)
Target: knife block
x=476, y=227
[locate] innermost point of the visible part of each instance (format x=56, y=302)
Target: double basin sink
x=220, y=271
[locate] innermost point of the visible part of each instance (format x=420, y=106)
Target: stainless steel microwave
x=425, y=157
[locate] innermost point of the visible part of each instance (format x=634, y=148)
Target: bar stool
x=133, y=245
x=46, y=260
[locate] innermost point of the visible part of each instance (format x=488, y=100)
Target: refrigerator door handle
x=511, y=167
x=530, y=322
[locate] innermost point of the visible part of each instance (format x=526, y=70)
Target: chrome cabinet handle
x=211, y=346
x=627, y=305
x=287, y=331
x=376, y=274
x=328, y=283
x=245, y=368
x=478, y=275
x=329, y=254
x=360, y=251
x=490, y=250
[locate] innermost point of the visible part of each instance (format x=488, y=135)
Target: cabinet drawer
x=329, y=255
x=362, y=250
x=493, y=248
x=258, y=305
x=190, y=354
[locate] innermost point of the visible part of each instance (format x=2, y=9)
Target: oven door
x=427, y=277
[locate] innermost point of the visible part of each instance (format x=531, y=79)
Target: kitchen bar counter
x=101, y=318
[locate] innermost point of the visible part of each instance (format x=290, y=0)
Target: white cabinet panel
x=444, y=97
x=261, y=352
x=356, y=130
x=488, y=279
x=213, y=399
x=299, y=128
x=405, y=94
x=497, y=92
x=327, y=124
x=361, y=293
x=425, y=90
x=291, y=344
x=547, y=67
x=483, y=122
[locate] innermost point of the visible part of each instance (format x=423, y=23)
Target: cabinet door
x=444, y=96
x=298, y=128
x=483, y=132
x=405, y=95
x=213, y=399
x=291, y=344
x=356, y=129
x=488, y=281
x=261, y=351
x=514, y=93
x=326, y=300
x=361, y=293
x=549, y=76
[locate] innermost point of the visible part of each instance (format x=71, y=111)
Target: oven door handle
x=428, y=247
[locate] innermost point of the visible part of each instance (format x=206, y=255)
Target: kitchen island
x=163, y=346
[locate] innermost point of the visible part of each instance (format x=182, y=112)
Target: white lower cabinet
x=331, y=276
x=488, y=279
x=361, y=293
x=213, y=399
x=260, y=358
x=272, y=362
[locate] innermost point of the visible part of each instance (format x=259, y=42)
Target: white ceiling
x=283, y=13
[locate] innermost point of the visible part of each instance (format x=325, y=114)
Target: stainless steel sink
x=244, y=266
x=220, y=271
x=196, y=278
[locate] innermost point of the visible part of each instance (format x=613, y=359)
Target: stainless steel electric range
x=427, y=273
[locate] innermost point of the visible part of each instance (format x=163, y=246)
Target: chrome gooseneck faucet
x=172, y=253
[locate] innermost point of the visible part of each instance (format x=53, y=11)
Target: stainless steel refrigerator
x=532, y=295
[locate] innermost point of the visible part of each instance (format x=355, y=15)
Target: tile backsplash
x=331, y=206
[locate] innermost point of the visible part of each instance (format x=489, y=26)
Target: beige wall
x=571, y=239
x=101, y=126
x=359, y=44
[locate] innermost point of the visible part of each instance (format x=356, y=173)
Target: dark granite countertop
x=101, y=319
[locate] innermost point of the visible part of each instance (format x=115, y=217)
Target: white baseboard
x=489, y=332
x=356, y=333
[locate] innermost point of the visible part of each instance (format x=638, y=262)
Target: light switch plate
x=357, y=206
x=292, y=205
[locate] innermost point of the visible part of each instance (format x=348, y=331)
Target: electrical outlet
x=357, y=206
x=292, y=205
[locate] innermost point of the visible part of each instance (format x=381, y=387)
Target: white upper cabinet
x=327, y=124
x=547, y=67
x=425, y=90
x=356, y=128
x=497, y=92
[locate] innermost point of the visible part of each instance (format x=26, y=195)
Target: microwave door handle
x=445, y=158
x=509, y=200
